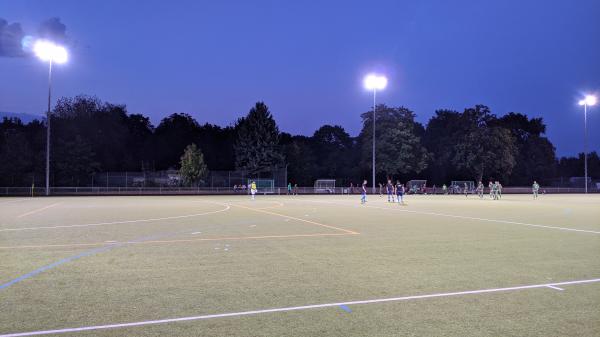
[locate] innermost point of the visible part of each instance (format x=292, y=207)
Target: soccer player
x=400, y=192
x=499, y=189
x=495, y=190
x=253, y=189
x=363, y=193
x=535, y=188
x=445, y=189
x=491, y=187
x=390, y=190
x=480, y=190
x=289, y=189
x=466, y=190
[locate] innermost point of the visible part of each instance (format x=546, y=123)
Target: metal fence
x=179, y=190
x=171, y=178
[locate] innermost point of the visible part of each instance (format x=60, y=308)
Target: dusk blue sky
x=306, y=59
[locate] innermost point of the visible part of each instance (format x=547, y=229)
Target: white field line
x=38, y=210
x=226, y=207
x=555, y=288
x=286, y=309
x=465, y=217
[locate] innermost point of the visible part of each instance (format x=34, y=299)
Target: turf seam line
x=296, y=308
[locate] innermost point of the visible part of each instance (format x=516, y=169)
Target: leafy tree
x=14, y=152
x=536, y=159
x=574, y=166
x=193, y=168
x=73, y=161
x=217, y=146
x=334, y=152
x=486, y=152
x=257, y=144
x=301, y=160
x=398, y=148
x=172, y=136
x=442, y=132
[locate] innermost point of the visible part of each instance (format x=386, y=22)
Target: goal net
x=325, y=186
x=262, y=185
x=416, y=186
x=458, y=186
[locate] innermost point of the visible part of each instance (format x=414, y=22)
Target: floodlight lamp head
x=375, y=82
x=48, y=51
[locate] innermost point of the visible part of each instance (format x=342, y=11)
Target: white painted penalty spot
x=196, y=233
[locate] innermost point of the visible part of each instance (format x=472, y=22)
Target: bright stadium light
x=374, y=82
x=51, y=53
x=588, y=100
x=48, y=51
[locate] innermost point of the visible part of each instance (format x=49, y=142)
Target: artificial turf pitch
x=435, y=267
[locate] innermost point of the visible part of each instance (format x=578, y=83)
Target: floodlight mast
x=374, y=82
x=589, y=100
x=52, y=53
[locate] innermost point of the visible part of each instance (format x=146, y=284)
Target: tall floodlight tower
x=589, y=100
x=374, y=82
x=51, y=53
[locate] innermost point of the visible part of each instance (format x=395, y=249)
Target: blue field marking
x=345, y=308
x=80, y=255
x=58, y=263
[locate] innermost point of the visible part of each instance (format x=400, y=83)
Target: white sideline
x=227, y=207
x=305, y=307
x=462, y=217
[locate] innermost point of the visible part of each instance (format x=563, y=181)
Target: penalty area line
x=347, y=231
x=296, y=308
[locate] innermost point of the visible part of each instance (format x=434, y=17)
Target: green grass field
x=438, y=266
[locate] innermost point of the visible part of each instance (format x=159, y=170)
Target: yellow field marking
x=299, y=219
x=227, y=238
x=38, y=210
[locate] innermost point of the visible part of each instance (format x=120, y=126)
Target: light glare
x=590, y=100
x=48, y=51
x=373, y=82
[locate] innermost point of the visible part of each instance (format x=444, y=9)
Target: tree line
x=92, y=136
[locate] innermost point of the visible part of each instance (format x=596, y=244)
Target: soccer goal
x=325, y=186
x=458, y=186
x=416, y=186
x=263, y=185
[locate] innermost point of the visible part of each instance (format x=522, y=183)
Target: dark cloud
x=15, y=43
x=54, y=30
x=11, y=36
